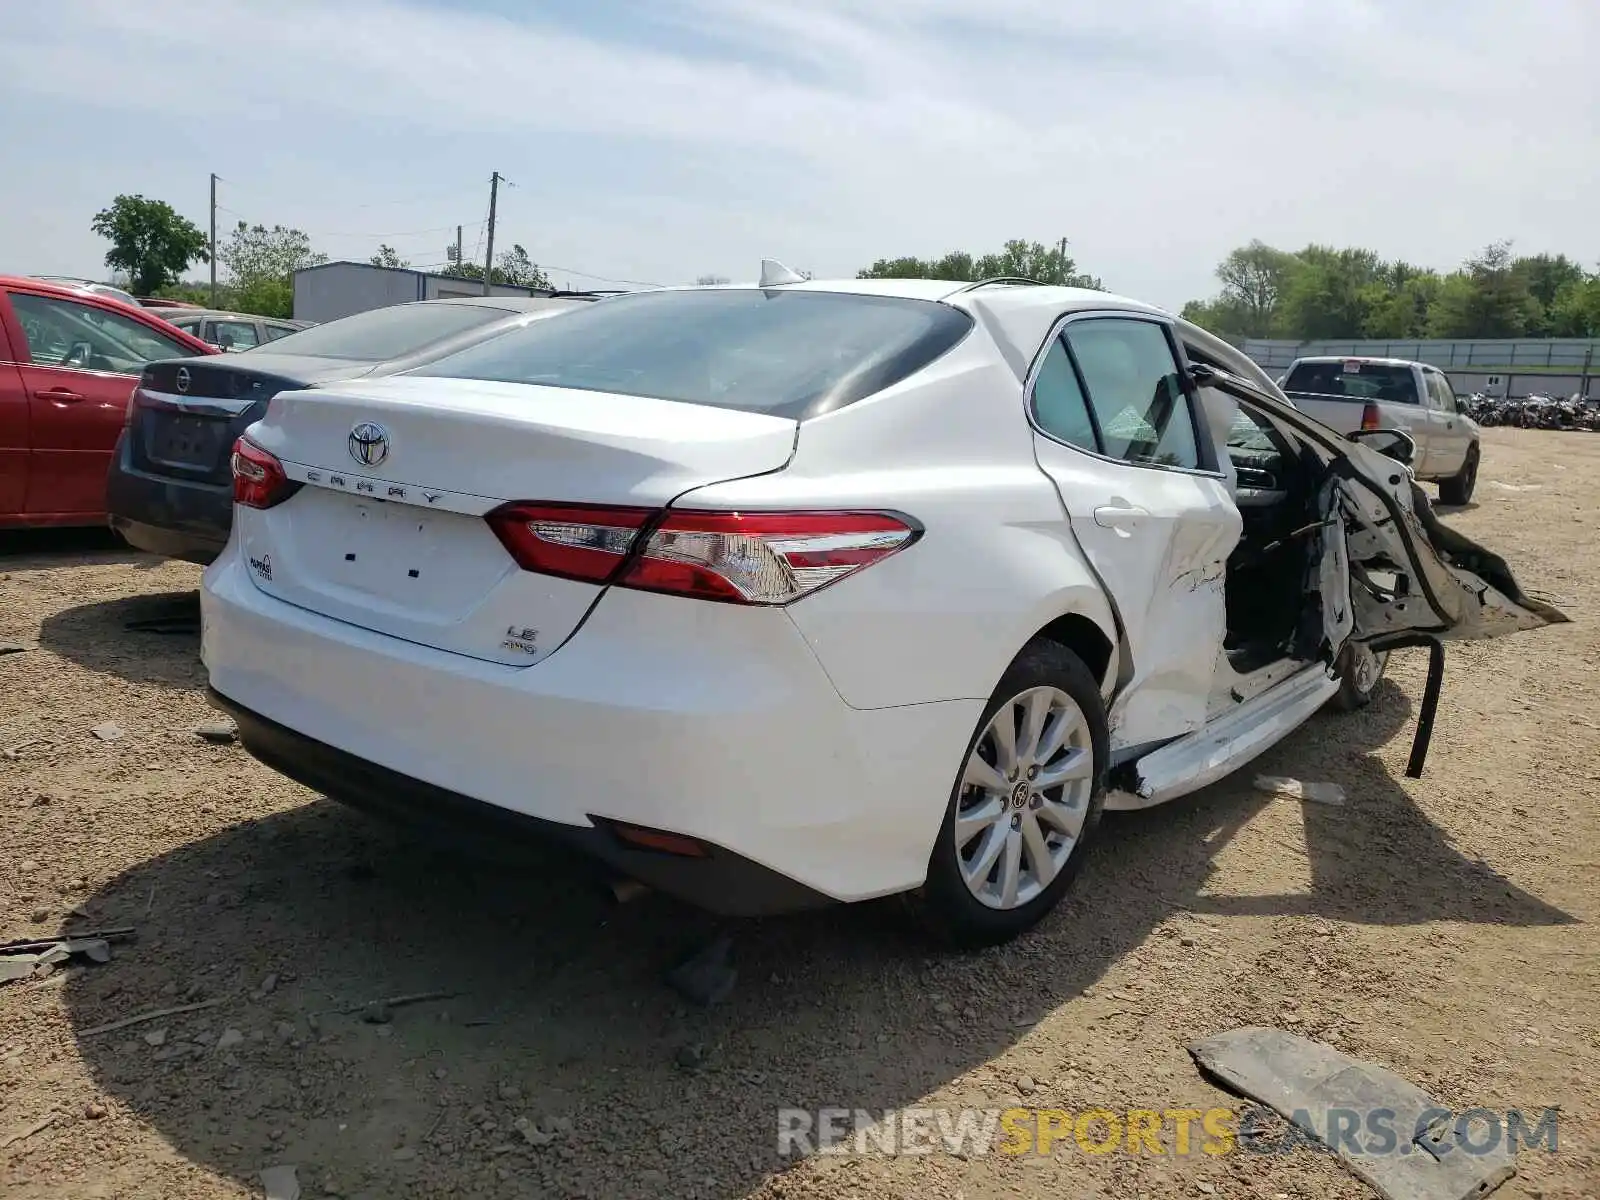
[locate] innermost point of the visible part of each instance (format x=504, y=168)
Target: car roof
x=222, y=314
x=513, y=303
x=75, y=290
x=1018, y=314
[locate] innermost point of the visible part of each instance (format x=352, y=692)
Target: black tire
x=944, y=905
x=1458, y=488
x=1352, y=695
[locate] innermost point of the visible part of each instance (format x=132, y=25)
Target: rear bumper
x=722, y=881
x=706, y=720
x=174, y=518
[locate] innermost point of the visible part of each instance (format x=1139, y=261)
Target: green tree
x=1488, y=298
x=261, y=263
x=149, y=240
x=1219, y=315
x=1399, y=306
x=1547, y=274
x=1018, y=258
x=513, y=267
x=1254, y=279
x=1327, y=294
x=387, y=257
x=1575, y=311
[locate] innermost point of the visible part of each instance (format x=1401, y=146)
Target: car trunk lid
x=388, y=531
x=187, y=412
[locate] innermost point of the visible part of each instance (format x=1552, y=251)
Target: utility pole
x=459, y=252
x=488, y=258
x=213, y=239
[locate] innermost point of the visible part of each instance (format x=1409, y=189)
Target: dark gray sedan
x=232, y=330
x=171, y=491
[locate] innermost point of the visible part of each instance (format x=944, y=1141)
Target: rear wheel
x=1458, y=488
x=1360, y=671
x=1025, y=808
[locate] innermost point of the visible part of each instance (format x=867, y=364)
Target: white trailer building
x=338, y=289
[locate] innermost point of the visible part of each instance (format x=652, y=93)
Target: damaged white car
x=798, y=592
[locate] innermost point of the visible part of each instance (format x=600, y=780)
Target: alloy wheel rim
x=1024, y=796
x=1369, y=668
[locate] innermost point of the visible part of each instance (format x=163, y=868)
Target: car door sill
x=1224, y=744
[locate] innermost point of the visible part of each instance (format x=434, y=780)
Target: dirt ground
x=1443, y=927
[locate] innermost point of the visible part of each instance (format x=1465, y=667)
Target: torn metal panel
x=1317, y=1088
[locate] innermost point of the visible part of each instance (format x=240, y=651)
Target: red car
x=69, y=360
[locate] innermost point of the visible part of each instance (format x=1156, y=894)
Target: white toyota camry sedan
x=776, y=595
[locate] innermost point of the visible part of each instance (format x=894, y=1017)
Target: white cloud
x=1154, y=133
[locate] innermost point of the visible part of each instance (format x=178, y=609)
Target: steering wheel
x=77, y=355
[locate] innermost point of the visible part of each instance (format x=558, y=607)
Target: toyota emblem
x=182, y=379
x=369, y=443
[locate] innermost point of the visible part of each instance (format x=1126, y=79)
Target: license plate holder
x=183, y=441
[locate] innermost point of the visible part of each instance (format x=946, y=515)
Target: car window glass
x=1058, y=403
x=234, y=335
x=274, y=332
x=380, y=334
x=1135, y=391
x=1353, y=380
x=796, y=354
x=64, y=333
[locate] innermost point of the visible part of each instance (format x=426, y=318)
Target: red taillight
x=1369, y=417
x=761, y=558
x=659, y=840
x=738, y=558
x=571, y=540
x=258, y=478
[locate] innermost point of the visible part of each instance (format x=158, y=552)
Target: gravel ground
x=1442, y=927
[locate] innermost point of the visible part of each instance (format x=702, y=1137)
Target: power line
x=547, y=267
x=392, y=234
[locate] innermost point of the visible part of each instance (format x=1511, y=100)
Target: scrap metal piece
x=1317, y=1089
x=281, y=1183
x=1300, y=789
x=17, y=967
x=707, y=976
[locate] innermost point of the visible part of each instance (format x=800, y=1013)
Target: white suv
x=801, y=592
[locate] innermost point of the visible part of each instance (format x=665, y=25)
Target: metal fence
x=1576, y=356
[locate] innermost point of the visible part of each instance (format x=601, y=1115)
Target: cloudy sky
x=656, y=141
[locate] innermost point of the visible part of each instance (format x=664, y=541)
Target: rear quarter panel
x=996, y=562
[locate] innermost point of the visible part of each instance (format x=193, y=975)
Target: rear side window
x=385, y=333
x=1350, y=380
x=789, y=353
x=1058, y=402
x=1135, y=409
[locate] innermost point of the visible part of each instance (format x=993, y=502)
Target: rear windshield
x=385, y=333
x=788, y=353
x=1361, y=381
